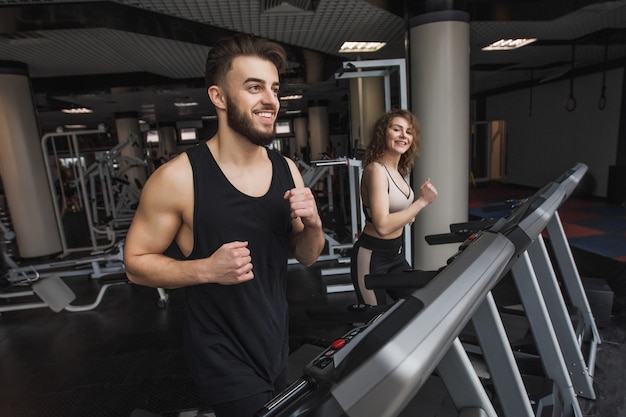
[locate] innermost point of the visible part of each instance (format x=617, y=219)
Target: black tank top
x=236, y=335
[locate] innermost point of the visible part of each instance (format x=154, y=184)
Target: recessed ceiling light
x=292, y=97
x=508, y=44
x=353, y=47
x=77, y=110
x=185, y=104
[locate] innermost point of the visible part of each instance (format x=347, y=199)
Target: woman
x=388, y=201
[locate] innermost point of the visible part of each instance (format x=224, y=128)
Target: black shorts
x=377, y=256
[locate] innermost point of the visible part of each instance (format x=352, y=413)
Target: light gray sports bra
x=397, y=199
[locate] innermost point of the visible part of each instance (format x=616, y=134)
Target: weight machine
x=105, y=196
x=113, y=196
x=324, y=170
x=44, y=280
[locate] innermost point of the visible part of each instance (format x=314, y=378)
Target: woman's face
x=399, y=135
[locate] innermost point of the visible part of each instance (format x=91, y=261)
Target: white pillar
x=440, y=73
x=22, y=167
x=319, y=129
x=367, y=104
x=127, y=127
x=167, y=139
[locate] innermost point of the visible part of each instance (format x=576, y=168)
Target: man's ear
x=217, y=97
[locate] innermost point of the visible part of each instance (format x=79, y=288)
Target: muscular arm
x=164, y=214
x=307, y=238
x=376, y=196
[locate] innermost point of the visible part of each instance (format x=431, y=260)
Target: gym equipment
x=363, y=313
x=54, y=294
x=113, y=197
x=67, y=145
x=105, y=196
x=381, y=68
x=312, y=174
x=538, y=283
x=323, y=170
x=358, y=69
x=44, y=279
x=377, y=369
x=97, y=265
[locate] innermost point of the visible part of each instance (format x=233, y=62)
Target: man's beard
x=241, y=124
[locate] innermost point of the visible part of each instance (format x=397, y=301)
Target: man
x=234, y=211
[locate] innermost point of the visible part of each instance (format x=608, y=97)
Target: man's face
x=252, y=99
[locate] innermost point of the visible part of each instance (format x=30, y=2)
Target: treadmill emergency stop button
x=338, y=344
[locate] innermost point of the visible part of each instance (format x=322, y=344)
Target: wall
x=544, y=139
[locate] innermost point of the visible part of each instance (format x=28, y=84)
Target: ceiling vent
x=289, y=7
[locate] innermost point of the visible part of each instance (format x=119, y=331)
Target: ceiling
x=144, y=55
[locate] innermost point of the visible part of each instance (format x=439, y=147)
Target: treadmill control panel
x=337, y=350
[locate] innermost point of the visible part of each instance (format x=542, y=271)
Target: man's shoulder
x=277, y=156
x=170, y=185
x=173, y=171
x=198, y=148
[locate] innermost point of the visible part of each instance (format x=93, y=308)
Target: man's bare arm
x=164, y=214
x=307, y=240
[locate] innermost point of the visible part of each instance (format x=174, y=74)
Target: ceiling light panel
x=323, y=30
x=289, y=6
x=509, y=44
x=356, y=47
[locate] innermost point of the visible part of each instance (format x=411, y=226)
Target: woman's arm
x=375, y=194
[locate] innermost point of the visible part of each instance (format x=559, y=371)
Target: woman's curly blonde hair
x=376, y=148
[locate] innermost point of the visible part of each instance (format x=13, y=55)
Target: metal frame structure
x=383, y=68
x=48, y=141
x=311, y=175
x=101, y=178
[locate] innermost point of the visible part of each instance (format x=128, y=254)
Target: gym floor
x=126, y=355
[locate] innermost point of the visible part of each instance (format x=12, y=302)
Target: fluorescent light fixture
x=508, y=44
x=209, y=117
x=355, y=47
x=292, y=97
x=293, y=112
x=77, y=110
x=75, y=126
x=185, y=104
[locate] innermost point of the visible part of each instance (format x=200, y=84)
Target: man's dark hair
x=221, y=56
